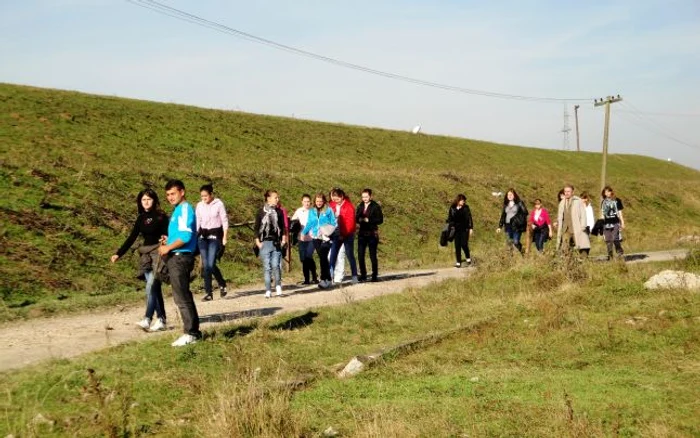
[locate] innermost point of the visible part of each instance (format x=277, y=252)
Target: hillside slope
x=71, y=165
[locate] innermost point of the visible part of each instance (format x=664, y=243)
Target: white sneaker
x=324, y=284
x=354, y=280
x=278, y=290
x=159, y=325
x=268, y=294
x=457, y=265
x=184, y=340
x=144, y=323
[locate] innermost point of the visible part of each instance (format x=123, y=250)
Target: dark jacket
x=521, y=216
x=280, y=223
x=460, y=218
x=150, y=224
x=374, y=215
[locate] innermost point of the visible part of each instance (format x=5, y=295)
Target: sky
x=647, y=51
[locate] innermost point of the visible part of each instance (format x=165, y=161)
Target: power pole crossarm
x=600, y=102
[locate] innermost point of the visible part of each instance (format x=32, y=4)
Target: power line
x=647, y=113
x=652, y=126
x=194, y=19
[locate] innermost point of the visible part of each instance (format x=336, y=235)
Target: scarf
x=269, y=226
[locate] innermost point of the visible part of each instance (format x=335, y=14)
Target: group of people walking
x=328, y=226
x=575, y=222
x=170, y=245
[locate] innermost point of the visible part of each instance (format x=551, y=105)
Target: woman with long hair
x=320, y=227
x=152, y=224
x=614, y=221
x=212, y=233
x=345, y=238
x=513, y=218
x=459, y=216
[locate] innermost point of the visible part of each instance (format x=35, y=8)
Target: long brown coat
x=578, y=221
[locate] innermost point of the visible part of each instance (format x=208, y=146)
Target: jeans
x=349, y=245
x=308, y=265
x=207, y=251
x=154, y=296
x=323, y=249
x=514, y=237
x=540, y=236
x=271, y=256
x=363, y=242
x=461, y=244
x=180, y=266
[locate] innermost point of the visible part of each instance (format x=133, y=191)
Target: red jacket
x=346, y=218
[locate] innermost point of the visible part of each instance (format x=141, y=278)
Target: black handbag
x=597, y=229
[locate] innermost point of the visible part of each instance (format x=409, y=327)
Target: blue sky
x=647, y=51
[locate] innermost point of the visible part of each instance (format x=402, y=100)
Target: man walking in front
x=572, y=219
x=179, y=250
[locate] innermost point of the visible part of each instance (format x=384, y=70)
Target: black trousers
x=323, y=249
x=180, y=266
x=461, y=244
x=364, y=242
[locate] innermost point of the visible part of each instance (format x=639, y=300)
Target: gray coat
x=578, y=221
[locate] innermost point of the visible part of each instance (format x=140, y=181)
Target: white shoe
x=184, y=340
x=159, y=325
x=324, y=284
x=278, y=290
x=457, y=265
x=354, y=280
x=268, y=294
x=144, y=323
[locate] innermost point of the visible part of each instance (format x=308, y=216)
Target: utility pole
x=600, y=102
x=578, y=138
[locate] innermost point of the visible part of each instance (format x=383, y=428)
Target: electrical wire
x=651, y=125
x=194, y=19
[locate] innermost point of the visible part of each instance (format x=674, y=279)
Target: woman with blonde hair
x=320, y=226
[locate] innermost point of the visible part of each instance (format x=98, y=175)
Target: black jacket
x=373, y=213
x=521, y=215
x=280, y=224
x=150, y=224
x=460, y=218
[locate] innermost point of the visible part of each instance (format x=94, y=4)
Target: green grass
x=71, y=165
x=555, y=350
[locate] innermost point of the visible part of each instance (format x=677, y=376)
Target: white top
x=302, y=215
x=590, y=219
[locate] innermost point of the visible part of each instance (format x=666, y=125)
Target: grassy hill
x=71, y=165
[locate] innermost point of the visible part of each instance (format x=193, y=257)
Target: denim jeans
x=371, y=242
x=307, y=260
x=323, y=249
x=540, y=235
x=154, y=296
x=514, y=237
x=271, y=255
x=179, y=267
x=349, y=245
x=208, y=249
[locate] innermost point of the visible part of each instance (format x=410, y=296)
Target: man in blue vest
x=179, y=250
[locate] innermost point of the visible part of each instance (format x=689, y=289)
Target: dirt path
x=29, y=342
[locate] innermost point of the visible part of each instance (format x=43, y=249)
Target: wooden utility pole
x=578, y=138
x=600, y=102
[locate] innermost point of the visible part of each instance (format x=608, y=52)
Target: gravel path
x=28, y=342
